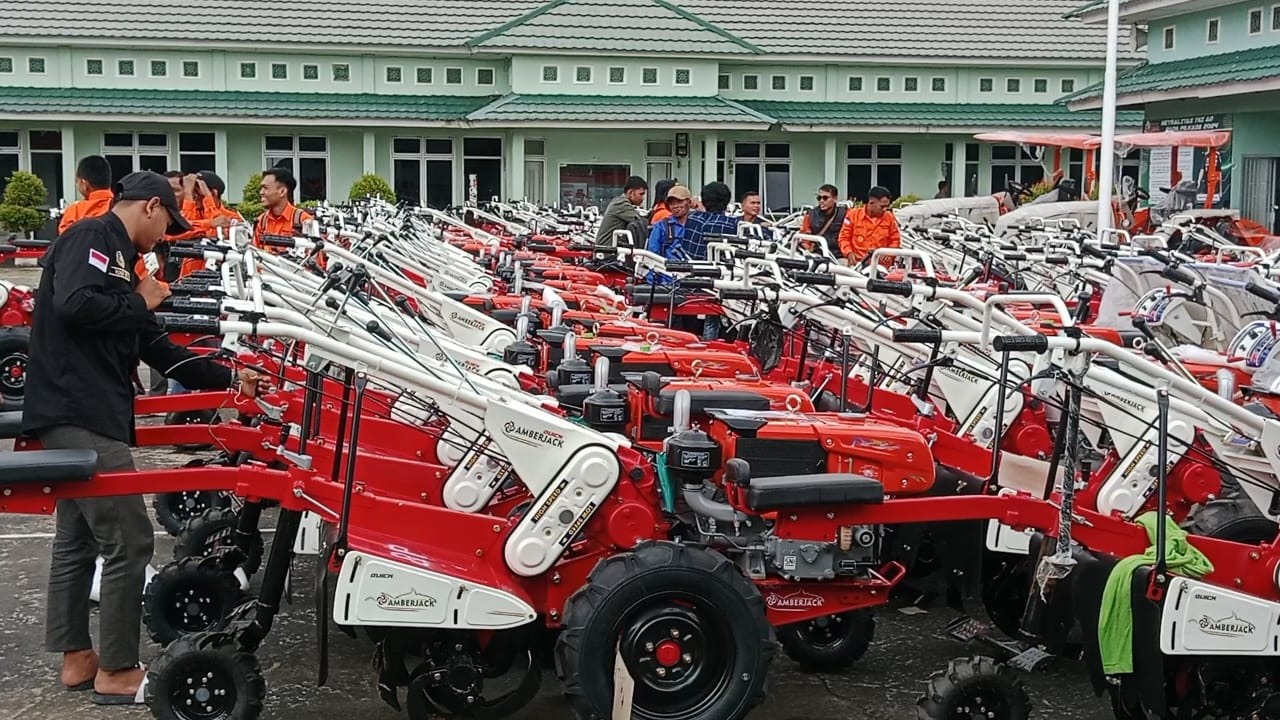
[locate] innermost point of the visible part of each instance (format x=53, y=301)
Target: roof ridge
x=513, y=23
x=709, y=26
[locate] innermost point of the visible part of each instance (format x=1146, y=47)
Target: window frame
x=333, y=72
x=778, y=83
x=813, y=83
x=908, y=80
x=657, y=76
x=303, y=75
x=448, y=71
x=1260, y=12
x=135, y=150
x=888, y=81
x=157, y=63
x=191, y=63
x=874, y=162
x=11, y=66
x=387, y=72
x=44, y=65
x=933, y=84
x=285, y=67
x=609, y=75
x=252, y=66
x=577, y=74
x=724, y=81
x=102, y=67
x=755, y=78
x=297, y=155
x=1013, y=85
x=1212, y=30
x=1275, y=18
x=989, y=82
x=850, y=82
x=133, y=67
x=688, y=77
x=493, y=77
x=1036, y=84
x=201, y=153
x=1062, y=86
x=430, y=72
x=424, y=156
x=555, y=72
x=1169, y=37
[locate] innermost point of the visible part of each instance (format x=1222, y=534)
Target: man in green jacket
x=622, y=211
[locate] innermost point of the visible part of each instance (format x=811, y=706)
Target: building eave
x=1143, y=97
x=929, y=129
x=192, y=120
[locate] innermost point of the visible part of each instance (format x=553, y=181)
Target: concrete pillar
x=830, y=169
x=708, y=160
x=222, y=163
x=957, y=169
x=69, y=163
x=370, y=153
x=515, y=174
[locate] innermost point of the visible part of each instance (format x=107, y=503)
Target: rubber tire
x=217, y=652
x=208, y=575
x=949, y=689
x=1234, y=519
x=193, y=540
x=173, y=523
x=192, y=417
x=14, y=340
x=859, y=628
x=587, y=644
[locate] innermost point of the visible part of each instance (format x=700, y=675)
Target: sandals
x=136, y=698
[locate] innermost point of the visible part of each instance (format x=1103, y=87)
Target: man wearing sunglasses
x=826, y=218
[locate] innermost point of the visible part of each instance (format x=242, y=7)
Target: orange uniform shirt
x=98, y=203
x=861, y=234
x=288, y=223
x=659, y=214
x=200, y=217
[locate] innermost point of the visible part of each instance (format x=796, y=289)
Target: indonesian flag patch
x=98, y=260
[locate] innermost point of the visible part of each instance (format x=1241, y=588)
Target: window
x=582, y=74
x=248, y=70
x=750, y=82
x=683, y=76
x=986, y=85
x=867, y=166
x=6, y=66
x=310, y=72
x=341, y=72
x=92, y=67
x=911, y=84
x=482, y=164
x=196, y=152
x=971, y=155
x=855, y=83
x=484, y=76
x=724, y=82
x=1255, y=21
x=550, y=74
x=453, y=76
x=422, y=170
x=35, y=65
x=618, y=75
x=395, y=74
x=46, y=162
x=424, y=78
x=190, y=69
x=1040, y=85
x=1013, y=85
x=535, y=171
x=585, y=185
x=1011, y=162
x=649, y=76
x=1211, y=31
x=10, y=152
x=279, y=71
x=306, y=156
x=1275, y=17
x=778, y=82
x=659, y=159
x=764, y=168
x=1168, y=37
x=1068, y=86
x=806, y=83
x=132, y=152
x=159, y=68
x=883, y=84
x=938, y=84
x=124, y=68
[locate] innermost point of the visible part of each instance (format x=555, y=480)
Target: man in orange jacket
x=279, y=215
x=93, y=182
x=202, y=206
x=869, y=228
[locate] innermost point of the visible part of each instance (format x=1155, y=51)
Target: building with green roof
x=1209, y=64
x=547, y=101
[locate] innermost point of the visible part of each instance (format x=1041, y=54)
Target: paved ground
x=884, y=685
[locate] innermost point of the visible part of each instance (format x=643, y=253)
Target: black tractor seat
x=701, y=400
x=10, y=425
x=24, y=243
x=794, y=491
x=5, y=249
x=47, y=466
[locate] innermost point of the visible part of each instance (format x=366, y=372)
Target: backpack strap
x=297, y=221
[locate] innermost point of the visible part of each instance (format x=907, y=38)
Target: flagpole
x=1106, y=174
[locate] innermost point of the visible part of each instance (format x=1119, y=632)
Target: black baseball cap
x=212, y=181
x=146, y=185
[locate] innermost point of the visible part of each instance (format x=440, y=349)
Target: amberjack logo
x=529, y=436
x=794, y=602
x=468, y=321
x=1234, y=626
x=408, y=602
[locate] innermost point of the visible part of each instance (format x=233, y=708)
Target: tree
x=23, y=197
x=250, y=206
x=372, y=186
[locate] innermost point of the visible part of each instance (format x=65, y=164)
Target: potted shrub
x=371, y=186
x=22, y=210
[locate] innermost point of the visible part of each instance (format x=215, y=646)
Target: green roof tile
x=1240, y=66
x=234, y=104
x=932, y=115
x=620, y=109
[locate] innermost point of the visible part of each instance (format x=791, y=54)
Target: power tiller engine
x=770, y=488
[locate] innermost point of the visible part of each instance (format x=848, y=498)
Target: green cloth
x=1115, y=620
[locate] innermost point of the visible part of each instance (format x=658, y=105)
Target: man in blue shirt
x=667, y=236
x=711, y=221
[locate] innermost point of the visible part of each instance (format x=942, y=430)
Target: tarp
x=1077, y=141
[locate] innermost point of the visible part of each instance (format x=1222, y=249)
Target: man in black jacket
x=93, y=322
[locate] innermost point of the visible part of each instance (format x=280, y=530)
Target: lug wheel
x=829, y=643
x=174, y=510
x=213, y=531
x=192, y=417
x=974, y=688
x=205, y=677
x=192, y=595
x=689, y=627
x=14, y=347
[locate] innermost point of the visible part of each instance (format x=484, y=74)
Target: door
x=1261, y=191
